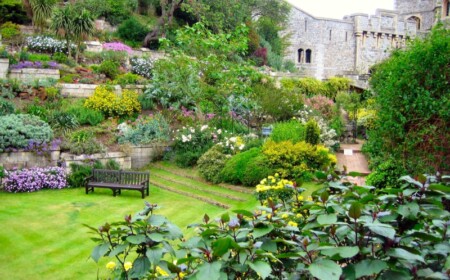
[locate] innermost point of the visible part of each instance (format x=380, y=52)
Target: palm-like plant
x=83, y=26
x=42, y=10
x=62, y=24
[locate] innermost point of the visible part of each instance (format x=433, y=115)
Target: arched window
x=416, y=20
x=308, y=56
x=300, y=55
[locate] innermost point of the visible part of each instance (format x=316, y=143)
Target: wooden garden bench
x=117, y=180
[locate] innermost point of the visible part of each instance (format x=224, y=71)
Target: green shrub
x=112, y=165
x=119, y=57
x=60, y=57
x=52, y=93
x=292, y=160
x=37, y=110
x=229, y=124
x=132, y=30
x=109, y=68
x=146, y=103
x=78, y=175
x=312, y=135
x=16, y=131
x=386, y=175
x=235, y=168
x=85, y=115
x=63, y=120
x=293, y=131
x=257, y=169
x=6, y=107
x=129, y=79
x=38, y=57
x=82, y=142
x=69, y=78
x=211, y=163
x=146, y=130
x=9, y=30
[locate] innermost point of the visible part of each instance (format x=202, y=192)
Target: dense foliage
x=16, y=131
x=145, y=130
x=413, y=101
x=342, y=231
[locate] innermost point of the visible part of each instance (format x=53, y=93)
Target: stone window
x=446, y=8
x=416, y=20
x=300, y=55
x=308, y=56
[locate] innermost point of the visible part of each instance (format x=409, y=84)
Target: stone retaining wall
x=4, y=65
x=123, y=159
x=23, y=159
x=87, y=90
x=143, y=155
x=31, y=74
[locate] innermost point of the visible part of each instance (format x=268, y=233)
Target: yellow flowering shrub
x=274, y=188
x=111, y=104
x=293, y=160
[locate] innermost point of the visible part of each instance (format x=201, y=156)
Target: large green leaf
x=118, y=249
x=223, y=245
x=99, y=251
x=355, y=210
x=440, y=187
x=263, y=269
x=154, y=255
x=157, y=220
x=327, y=219
x=325, y=270
x=262, y=230
x=382, y=229
x=210, y=271
x=245, y=213
x=157, y=237
x=369, y=267
x=136, y=239
x=140, y=267
x=403, y=254
x=409, y=210
x=343, y=252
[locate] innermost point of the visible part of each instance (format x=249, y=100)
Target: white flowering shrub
x=328, y=136
x=141, y=66
x=46, y=44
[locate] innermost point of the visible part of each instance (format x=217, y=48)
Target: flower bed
x=35, y=179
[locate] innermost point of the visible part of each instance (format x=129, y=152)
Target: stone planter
x=123, y=159
x=24, y=159
x=4, y=65
x=137, y=88
x=81, y=90
x=31, y=74
x=143, y=155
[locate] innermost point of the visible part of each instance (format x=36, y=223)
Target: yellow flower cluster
x=272, y=183
x=292, y=224
x=127, y=266
x=111, y=104
x=161, y=271
x=111, y=265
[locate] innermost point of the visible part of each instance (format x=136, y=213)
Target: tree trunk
x=168, y=8
x=27, y=7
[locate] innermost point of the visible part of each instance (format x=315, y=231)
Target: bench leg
x=143, y=193
x=148, y=191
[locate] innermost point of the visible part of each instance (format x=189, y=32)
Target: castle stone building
x=324, y=47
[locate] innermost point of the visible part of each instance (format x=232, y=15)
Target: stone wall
x=86, y=90
x=31, y=74
x=23, y=159
x=123, y=159
x=4, y=65
x=143, y=155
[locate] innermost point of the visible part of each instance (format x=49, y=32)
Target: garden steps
x=178, y=182
x=190, y=174
x=196, y=183
x=350, y=156
x=190, y=194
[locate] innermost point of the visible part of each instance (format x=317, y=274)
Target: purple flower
x=117, y=47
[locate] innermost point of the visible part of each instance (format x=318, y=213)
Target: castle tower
x=424, y=13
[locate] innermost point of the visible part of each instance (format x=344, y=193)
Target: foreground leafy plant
x=342, y=231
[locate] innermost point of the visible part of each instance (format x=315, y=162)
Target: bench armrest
x=87, y=179
x=143, y=182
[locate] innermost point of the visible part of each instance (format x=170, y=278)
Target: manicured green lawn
x=42, y=236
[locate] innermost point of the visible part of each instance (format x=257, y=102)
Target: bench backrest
x=120, y=176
